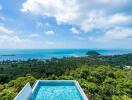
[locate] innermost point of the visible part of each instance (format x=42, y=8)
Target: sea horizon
x=25, y=54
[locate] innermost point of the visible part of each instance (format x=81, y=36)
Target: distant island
x=57, y=53
x=8, y=55
x=93, y=53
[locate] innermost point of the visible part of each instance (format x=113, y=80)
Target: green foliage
x=101, y=83
x=10, y=90
x=124, y=97
x=103, y=78
x=8, y=94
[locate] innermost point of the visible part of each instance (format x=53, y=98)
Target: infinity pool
x=57, y=90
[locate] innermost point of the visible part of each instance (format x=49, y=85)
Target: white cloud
x=34, y=35
x=74, y=30
x=5, y=30
x=118, y=33
x=9, y=39
x=47, y=24
x=39, y=24
x=60, y=9
x=50, y=43
x=88, y=14
x=1, y=7
x=99, y=20
x=79, y=38
x=114, y=34
x=50, y=32
x=42, y=25
x=2, y=18
x=15, y=41
x=119, y=19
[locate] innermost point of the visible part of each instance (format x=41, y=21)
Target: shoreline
x=44, y=59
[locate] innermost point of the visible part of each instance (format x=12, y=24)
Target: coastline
x=43, y=54
x=15, y=58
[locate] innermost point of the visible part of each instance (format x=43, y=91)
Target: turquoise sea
x=24, y=54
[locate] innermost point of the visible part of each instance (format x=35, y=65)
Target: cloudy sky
x=66, y=24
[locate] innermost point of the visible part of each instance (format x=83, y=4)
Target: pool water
x=56, y=91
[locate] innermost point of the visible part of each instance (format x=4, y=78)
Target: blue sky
x=35, y=24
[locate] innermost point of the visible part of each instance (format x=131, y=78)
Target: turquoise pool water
x=56, y=91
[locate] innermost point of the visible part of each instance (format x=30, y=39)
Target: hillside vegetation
x=101, y=77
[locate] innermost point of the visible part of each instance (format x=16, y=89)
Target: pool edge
x=75, y=82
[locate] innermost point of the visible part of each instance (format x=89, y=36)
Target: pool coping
x=75, y=82
x=25, y=93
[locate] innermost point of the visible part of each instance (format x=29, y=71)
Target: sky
x=48, y=24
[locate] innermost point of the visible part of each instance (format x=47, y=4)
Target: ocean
x=25, y=54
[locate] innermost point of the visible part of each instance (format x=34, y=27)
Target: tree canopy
x=103, y=78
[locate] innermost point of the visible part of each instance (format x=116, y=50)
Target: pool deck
x=27, y=91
